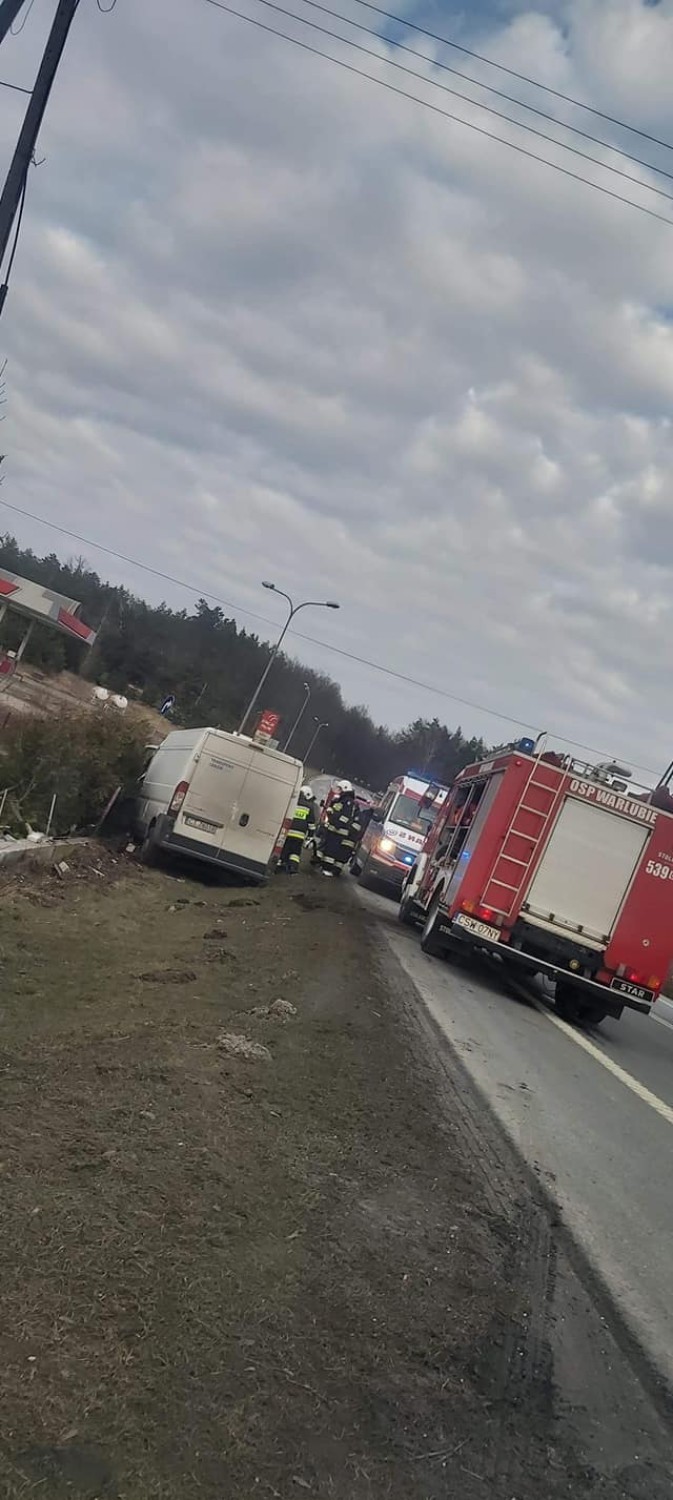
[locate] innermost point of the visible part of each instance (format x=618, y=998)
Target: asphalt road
x=591, y=1113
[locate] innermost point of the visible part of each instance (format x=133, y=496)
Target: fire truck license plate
x=479, y=929
x=634, y=991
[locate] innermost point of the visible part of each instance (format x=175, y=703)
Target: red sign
x=71, y=623
x=268, y=723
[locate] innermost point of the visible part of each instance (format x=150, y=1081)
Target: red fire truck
x=559, y=868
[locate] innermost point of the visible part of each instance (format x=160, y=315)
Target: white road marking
x=665, y=1111
x=607, y=1062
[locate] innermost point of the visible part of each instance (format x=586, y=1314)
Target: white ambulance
x=397, y=830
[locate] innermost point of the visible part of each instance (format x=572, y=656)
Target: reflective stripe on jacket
x=303, y=822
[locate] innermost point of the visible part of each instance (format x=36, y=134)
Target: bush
x=82, y=757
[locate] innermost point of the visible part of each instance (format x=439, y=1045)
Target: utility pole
x=9, y=10
x=15, y=180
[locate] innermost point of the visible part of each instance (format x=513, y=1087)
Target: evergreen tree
x=212, y=666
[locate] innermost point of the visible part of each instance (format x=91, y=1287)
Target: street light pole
x=323, y=725
x=294, y=610
x=299, y=717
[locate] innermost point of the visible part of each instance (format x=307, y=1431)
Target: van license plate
x=479, y=929
x=201, y=823
x=634, y=991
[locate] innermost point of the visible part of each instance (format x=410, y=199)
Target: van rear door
x=270, y=785
x=214, y=792
x=237, y=800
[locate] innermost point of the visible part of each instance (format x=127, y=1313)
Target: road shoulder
x=252, y=1249
x=567, y=1352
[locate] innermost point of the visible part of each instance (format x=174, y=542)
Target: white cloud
x=266, y=317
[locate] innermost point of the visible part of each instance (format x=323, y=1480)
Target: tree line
x=211, y=665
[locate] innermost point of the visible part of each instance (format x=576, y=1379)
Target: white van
x=217, y=797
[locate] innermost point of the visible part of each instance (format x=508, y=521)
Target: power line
x=445, y=113
x=481, y=708
x=376, y=666
x=542, y=114
x=522, y=77
x=364, y=661
x=145, y=567
x=17, y=87
x=456, y=93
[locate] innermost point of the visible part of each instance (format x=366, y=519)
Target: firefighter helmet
x=345, y=786
x=307, y=793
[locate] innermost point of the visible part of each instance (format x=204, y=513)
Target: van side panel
x=171, y=764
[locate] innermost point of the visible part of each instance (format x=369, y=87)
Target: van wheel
x=572, y=1007
x=432, y=941
x=149, y=849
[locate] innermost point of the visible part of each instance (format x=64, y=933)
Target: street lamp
x=299, y=717
x=323, y=725
x=294, y=610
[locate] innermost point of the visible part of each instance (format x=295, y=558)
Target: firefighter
x=302, y=827
x=340, y=831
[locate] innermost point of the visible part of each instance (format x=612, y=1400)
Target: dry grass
x=222, y=1278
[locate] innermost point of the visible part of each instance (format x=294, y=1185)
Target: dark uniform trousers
x=302, y=823
x=341, y=832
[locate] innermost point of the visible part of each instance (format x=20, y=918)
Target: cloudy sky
x=269, y=319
